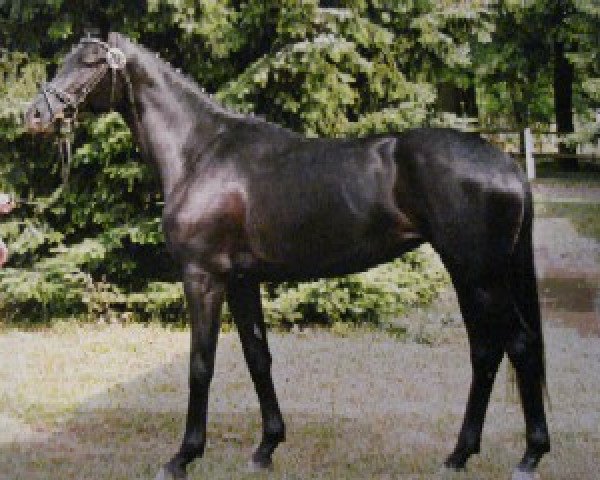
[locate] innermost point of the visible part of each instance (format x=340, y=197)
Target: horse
x=247, y=201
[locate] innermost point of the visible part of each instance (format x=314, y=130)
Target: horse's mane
x=196, y=94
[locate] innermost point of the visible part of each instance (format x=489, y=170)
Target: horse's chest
x=207, y=227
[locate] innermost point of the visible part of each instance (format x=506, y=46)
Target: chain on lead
x=65, y=140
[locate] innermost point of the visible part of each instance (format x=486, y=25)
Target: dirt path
x=568, y=263
x=109, y=401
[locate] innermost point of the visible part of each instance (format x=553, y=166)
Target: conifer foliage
x=324, y=68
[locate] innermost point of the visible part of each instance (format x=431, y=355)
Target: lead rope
x=65, y=142
x=64, y=145
x=65, y=152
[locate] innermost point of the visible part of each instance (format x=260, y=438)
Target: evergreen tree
x=541, y=50
x=329, y=68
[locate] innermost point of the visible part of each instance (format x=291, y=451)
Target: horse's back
x=325, y=207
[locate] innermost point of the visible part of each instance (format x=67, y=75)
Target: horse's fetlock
x=457, y=460
x=192, y=446
x=472, y=444
x=469, y=441
x=274, y=430
x=539, y=440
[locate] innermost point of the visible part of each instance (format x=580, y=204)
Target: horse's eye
x=91, y=56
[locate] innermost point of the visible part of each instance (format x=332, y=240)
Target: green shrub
x=367, y=297
x=59, y=286
x=95, y=246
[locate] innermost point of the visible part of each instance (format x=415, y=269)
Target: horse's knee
x=260, y=363
x=201, y=370
x=484, y=363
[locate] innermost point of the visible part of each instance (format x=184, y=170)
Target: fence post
x=529, y=160
x=598, y=124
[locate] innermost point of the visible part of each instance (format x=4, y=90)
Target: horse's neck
x=169, y=114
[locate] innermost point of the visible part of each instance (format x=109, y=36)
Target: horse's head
x=87, y=79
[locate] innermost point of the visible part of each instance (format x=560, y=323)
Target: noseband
x=114, y=60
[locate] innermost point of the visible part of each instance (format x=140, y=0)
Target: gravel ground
x=95, y=402
x=560, y=251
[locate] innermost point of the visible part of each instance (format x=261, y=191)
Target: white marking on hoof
x=257, y=467
x=522, y=475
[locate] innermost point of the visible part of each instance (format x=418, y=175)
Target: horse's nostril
x=37, y=114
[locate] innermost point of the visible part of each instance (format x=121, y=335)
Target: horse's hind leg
x=525, y=348
x=493, y=315
x=526, y=354
x=243, y=297
x=484, y=311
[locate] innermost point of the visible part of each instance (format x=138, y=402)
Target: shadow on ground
x=359, y=407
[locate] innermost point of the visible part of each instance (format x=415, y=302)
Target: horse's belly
x=319, y=250
x=343, y=263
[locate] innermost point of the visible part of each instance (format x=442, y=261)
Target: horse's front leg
x=243, y=298
x=204, y=294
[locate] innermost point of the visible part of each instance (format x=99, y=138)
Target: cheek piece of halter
x=115, y=61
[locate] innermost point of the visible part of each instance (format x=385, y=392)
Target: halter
x=115, y=61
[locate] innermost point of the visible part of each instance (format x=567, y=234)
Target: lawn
x=108, y=401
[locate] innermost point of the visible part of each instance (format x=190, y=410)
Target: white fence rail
x=537, y=144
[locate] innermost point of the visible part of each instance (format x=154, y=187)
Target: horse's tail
x=524, y=283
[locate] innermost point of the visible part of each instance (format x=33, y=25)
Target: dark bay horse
x=247, y=201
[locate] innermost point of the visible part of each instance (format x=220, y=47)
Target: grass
x=584, y=216
x=109, y=401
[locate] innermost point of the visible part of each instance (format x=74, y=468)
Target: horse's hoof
x=452, y=467
x=519, y=474
x=456, y=462
x=260, y=465
x=165, y=474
